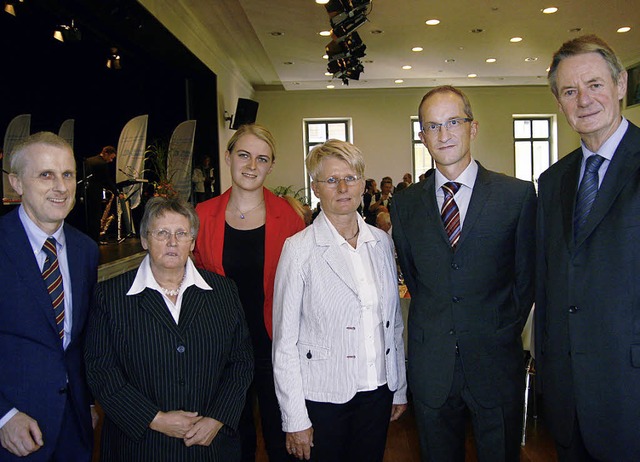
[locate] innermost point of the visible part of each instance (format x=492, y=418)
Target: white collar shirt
x=467, y=180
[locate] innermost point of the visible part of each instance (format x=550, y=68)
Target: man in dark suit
x=44, y=400
x=587, y=316
x=465, y=238
x=99, y=177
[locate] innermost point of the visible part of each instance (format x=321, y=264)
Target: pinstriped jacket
x=139, y=362
x=315, y=300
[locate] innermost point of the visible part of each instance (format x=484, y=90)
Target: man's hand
x=21, y=435
x=203, y=432
x=396, y=411
x=175, y=424
x=300, y=443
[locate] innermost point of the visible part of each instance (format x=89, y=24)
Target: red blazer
x=281, y=222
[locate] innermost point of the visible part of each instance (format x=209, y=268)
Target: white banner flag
x=130, y=160
x=67, y=131
x=179, y=161
x=19, y=128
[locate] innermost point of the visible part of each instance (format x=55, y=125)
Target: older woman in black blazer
x=168, y=353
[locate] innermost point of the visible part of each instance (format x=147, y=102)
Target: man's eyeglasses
x=451, y=124
x=164, y=235
x=332, y=182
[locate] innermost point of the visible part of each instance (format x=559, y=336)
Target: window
x=317, y=131
x=534, y=145
x=422, y=160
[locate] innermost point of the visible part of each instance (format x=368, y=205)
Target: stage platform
x=116, y=259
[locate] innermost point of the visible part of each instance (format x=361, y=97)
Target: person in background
x=407, y=178
x=383, y=221
x=384, y=200
x=587, y=316
x=338, y=352
x=465, y=239
x=203, y=180
x=99, y=178
x=168, y=351
x=242, y=233
x=48, y=271
x=371, y=194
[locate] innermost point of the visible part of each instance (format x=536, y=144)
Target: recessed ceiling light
x=322, y=2
x=331, y=86
x=550, y=10
x=515, y=39
x=472, y=76
x=328, y=74
x=490, y=60
x=398, y=81
x=576, y=29
x=288, y=63
x=417, y=49
x=530, y=59
x=624, y=29
x=432, y=22
x=325, y=56
x=450, y=60
x=377, y=32
x=367, y=61
x=325, y=33
x=276, y=33
x=406, y=68
x=477, y=31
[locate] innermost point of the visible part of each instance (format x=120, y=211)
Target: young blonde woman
x=241, y=236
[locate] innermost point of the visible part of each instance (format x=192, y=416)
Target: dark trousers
x=576, y=451
x=442, y=430
x=263, y=389
x=355, y=431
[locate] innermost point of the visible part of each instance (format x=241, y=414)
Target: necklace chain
x=349, y=238
x=173, y=292
x=250, y=210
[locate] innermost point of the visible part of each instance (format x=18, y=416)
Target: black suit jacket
x=34, y=367
x=477, y=296
x=588, y=305
x=139, y=362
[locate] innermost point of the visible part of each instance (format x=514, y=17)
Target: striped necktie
x=53, y=280
x=450, y=213
x=586, y=192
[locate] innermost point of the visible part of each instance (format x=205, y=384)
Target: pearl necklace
x=173, y=292
x=250, y=210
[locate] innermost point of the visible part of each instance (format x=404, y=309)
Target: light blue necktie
x=587, y=192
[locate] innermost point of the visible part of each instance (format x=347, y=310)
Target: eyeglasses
x=451, y=124
x=163, y=235
x=333, y=182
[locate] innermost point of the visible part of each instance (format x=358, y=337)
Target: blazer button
x=452, y=332
x=181, y=382
x=62, y=390
x=181, y=349
x=387, y=324
x=309, y=355
x=455, y=266
x=573, y=309
x=388, y=350
x=456, y=299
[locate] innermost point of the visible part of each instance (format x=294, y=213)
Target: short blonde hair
x=259, y=132
x=17, y=162
x=336, y=149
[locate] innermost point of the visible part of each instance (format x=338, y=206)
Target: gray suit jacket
x=588, y=305
x=139, y=362
x=477, y=296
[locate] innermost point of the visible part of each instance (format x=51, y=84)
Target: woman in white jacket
x=337, y=326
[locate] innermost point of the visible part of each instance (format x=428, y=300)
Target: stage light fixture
x=350, y=46
x=113, y=62
x=10, y=7
x=346, y=16
x=66, y=33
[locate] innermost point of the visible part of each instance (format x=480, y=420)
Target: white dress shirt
x=463, y=197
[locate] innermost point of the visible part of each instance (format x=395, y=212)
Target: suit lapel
x=332, y=254
x=623, y=167
x=568, y=191
x=152, y=302
x=78, y=282
x=432, y=213
x=479, y=196
x=193, y=303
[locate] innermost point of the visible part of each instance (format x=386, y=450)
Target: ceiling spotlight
x=432, y=22
x=490, y=60
x=531, y=59
x=325, y=33
x=515, y=39
x=328, y=74
x=417, y=49
x=624, y=29
x=113, y=62
x=322, y=2
x=472, y=76
x=550, y=10
x=346, y=16
x=350, y=46
x=398, y=81
x=406, y=68
x=65, y=33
